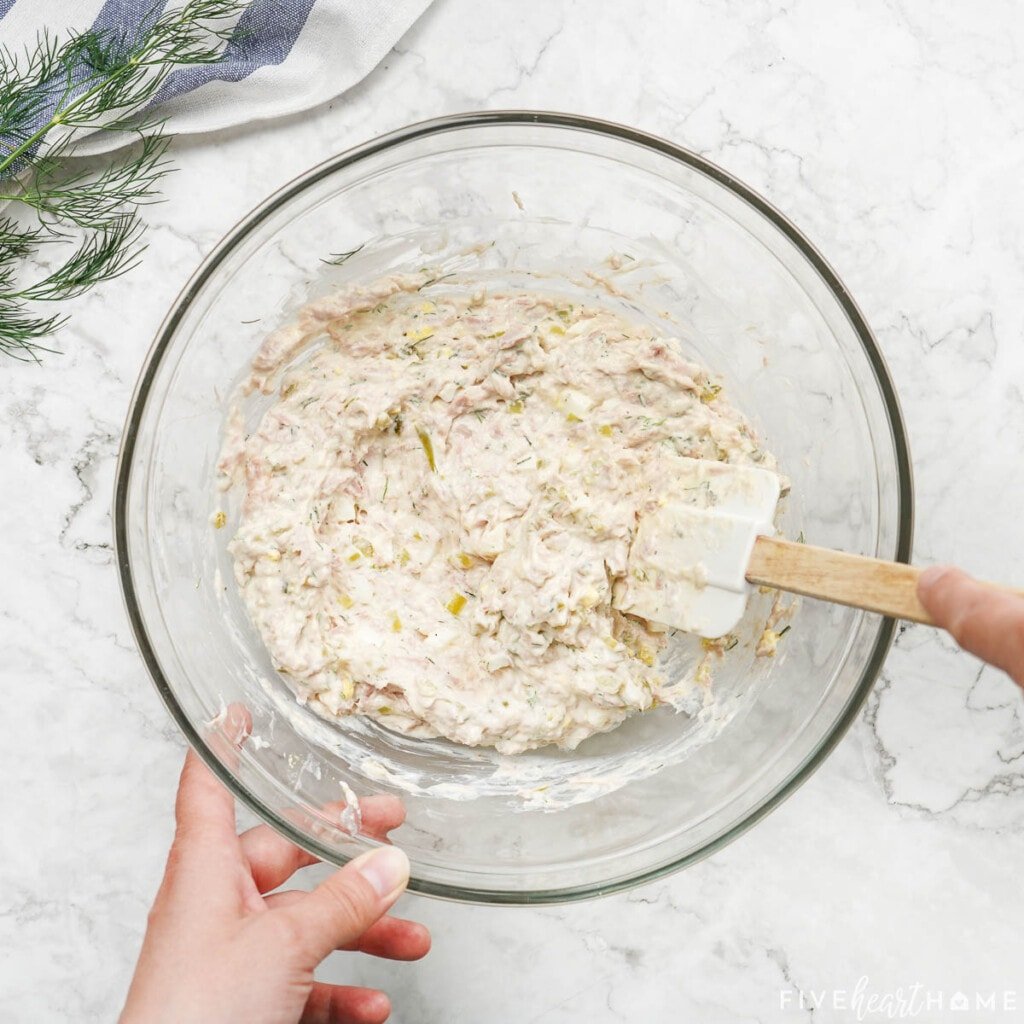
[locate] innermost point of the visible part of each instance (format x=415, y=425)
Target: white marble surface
x=892, y=131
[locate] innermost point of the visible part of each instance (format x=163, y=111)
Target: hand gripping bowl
x=520, y=198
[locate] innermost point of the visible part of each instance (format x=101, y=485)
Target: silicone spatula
x=693, y=559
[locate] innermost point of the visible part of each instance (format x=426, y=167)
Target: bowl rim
x=436, y=126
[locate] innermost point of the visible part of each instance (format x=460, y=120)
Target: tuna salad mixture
x=438, y=503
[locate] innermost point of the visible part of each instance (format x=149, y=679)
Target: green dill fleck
x=434, y=280
x=340, y=258
x=784, y=631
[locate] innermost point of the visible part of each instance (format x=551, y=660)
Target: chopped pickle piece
x=573, y=418
x=219, y=519
x=465, y=560
x=420, y=334
x=428, y=447
x=646, y=655
x=345, y=601
x=396, y=623
x=516, y=407
x=457, y=603
x=710, y=392
x=605, y=429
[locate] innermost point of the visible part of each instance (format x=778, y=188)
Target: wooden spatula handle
x=869, y=583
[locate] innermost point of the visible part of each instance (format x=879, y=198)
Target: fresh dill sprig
x=50, y=96
x=105, y=253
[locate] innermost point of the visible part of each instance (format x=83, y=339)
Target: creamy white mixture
x=442, y=497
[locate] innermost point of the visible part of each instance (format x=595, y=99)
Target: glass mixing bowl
x=527, y=200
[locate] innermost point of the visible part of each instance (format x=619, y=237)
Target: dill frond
x=51, y=95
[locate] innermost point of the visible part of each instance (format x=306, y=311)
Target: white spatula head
x=688, y=561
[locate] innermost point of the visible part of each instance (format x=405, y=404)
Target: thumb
x=344, y=906
x=983, y=619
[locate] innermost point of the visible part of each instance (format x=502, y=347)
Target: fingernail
x=932, y=575
x=386, y=869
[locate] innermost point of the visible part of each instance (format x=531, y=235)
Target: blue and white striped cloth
x=285, y=56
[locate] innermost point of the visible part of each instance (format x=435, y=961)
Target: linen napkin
x=284, y=56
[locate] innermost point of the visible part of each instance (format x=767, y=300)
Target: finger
x=379, y=814
x=983, y=620
x=344, y=906
x=284, y=898
x=345, y=1004
x=272, y=859
x=204, y=808
x=392, y=938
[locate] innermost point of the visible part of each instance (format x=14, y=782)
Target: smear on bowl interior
x=440, y=500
